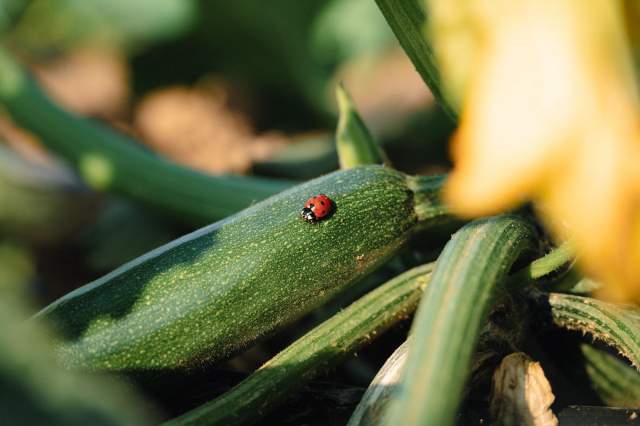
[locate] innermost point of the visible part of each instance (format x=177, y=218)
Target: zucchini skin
x=210, y=294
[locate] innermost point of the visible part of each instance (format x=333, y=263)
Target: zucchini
x=210, y=294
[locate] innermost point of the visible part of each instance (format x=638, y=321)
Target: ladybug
x=317, y=208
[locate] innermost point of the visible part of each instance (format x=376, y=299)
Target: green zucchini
x=207, y=295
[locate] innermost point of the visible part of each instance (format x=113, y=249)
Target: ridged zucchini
x=211, y=293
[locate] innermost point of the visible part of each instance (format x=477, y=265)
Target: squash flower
x=549, y=112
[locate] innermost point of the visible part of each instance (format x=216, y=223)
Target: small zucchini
x=209, y=294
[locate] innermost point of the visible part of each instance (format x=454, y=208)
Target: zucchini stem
x=428, y=204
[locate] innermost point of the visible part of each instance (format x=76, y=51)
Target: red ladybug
x=317, y=208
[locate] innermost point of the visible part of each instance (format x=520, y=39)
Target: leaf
x=408, y=19
x=355, y=144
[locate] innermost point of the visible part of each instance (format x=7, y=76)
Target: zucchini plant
x=465, y=284
x=274, y=256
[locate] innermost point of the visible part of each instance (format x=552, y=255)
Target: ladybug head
x=308, y=215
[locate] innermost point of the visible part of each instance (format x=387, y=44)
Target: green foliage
x=615, y=325
x=34, y=390
x=315, y=352
x=62, y=24
x=347, y=29
x=40, y=204
x=615, y=382
x=355, y=144
x=305, y=159
x=108, y=160
x=261, y=276
x=408, y=20
x=465, y=284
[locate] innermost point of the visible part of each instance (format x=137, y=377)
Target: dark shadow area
x=123, y=291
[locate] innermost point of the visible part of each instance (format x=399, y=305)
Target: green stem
x=465, y=285
x=408, y=20
x=615, y=325
x=428, y=204
x=109, y=160
x=545, y=265
x=315, y=352
x=379, y=393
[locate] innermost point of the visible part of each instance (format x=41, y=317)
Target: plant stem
x=465, y=284
x=615, y=325
x=109, y=160
x=428, y=204
x=545, y=265
x=616, y=383
x=380, y=391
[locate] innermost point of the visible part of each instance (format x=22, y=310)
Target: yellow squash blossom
x=549, y=113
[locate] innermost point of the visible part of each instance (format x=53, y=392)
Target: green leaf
x=355, y=144
x=616, y=383
x=345, y=29
x=615, y=325
x=109, y=160
x=315, y=352
x=54, y=25
x=465, y=285
x=408, y=20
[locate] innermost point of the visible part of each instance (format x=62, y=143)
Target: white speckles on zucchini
x=211, y=293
